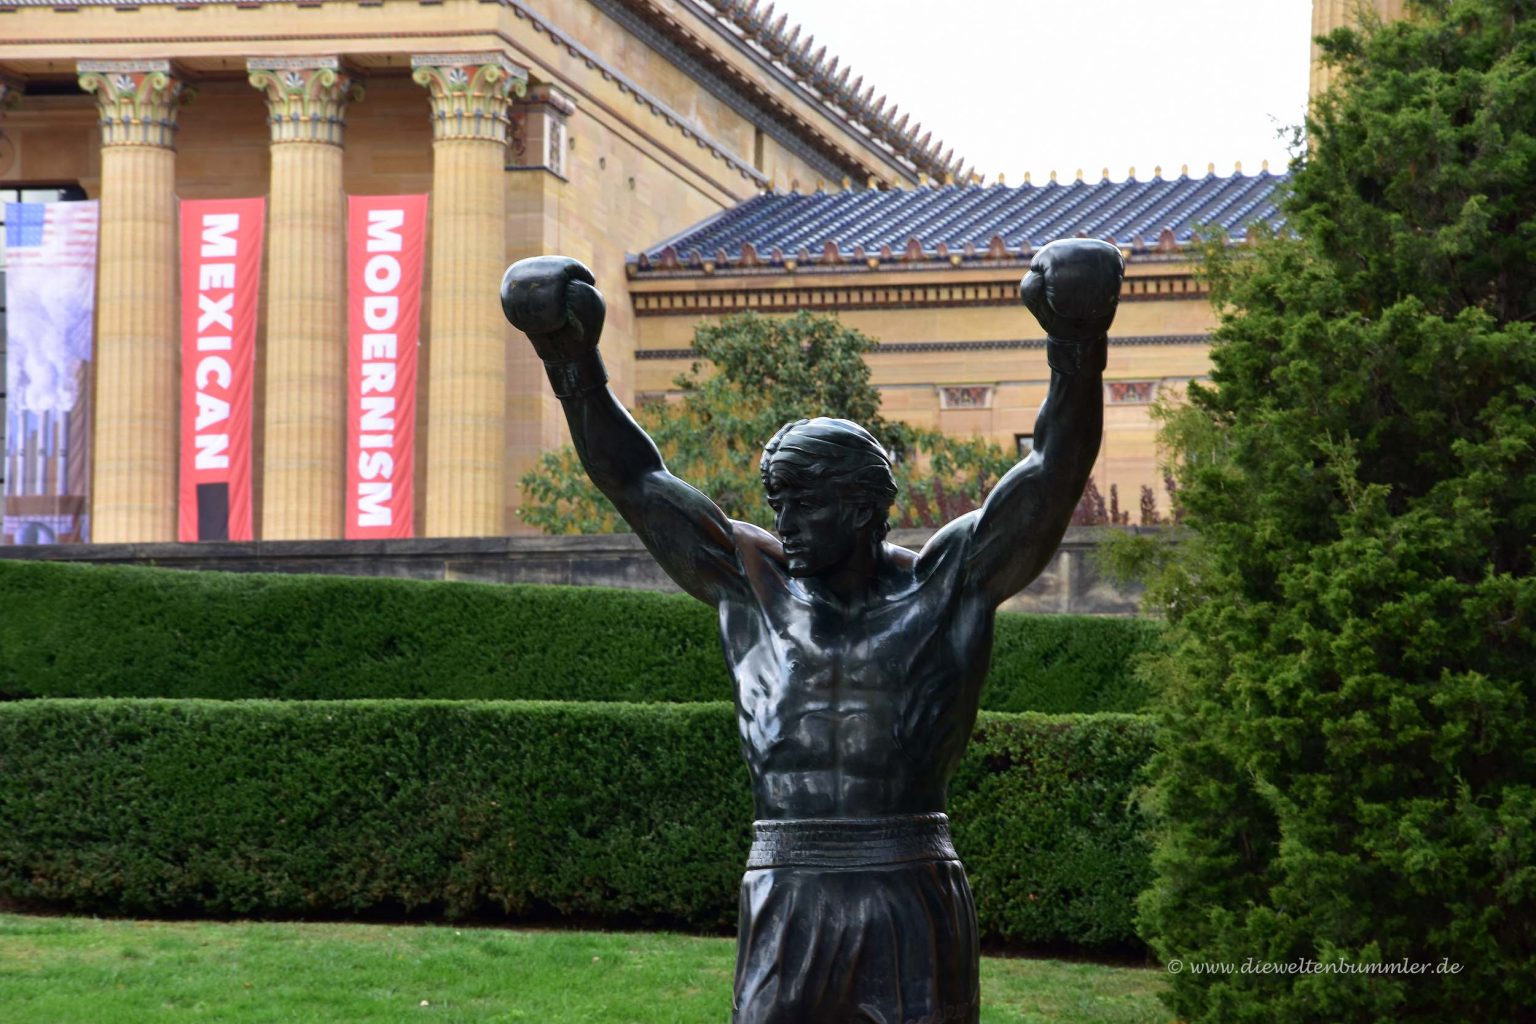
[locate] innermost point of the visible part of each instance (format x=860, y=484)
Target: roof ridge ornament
x=960, y=223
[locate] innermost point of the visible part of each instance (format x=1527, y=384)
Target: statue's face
x=820, y=531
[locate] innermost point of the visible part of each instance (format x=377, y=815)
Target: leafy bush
x=615, y=812
x=764, y=372
x=112, y=631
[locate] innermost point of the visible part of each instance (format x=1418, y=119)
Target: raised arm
x=1072, y=287
x=553, y=300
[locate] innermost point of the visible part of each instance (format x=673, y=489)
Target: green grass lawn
x=65, y=970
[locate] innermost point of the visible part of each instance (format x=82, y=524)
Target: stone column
x=466, y=392
x=304, y=419
x=1328, y=15
x=137, y=354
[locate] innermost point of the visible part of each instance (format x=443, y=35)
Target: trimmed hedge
x=618, y=812
x=120, y=631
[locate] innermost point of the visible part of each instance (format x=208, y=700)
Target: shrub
x=1044, y=820
x=616, y=812
x=122, y=631
x=1350, y=729
x=116, y=631
x=1064, y=664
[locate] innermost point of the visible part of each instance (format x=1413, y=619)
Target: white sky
x=1042, y=85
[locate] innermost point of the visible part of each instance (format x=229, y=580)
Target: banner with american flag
x=50, y=300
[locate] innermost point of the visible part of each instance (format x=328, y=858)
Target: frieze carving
x=539, y=132
x=517, y=139
x=852, y=296
x=470, y=93
x=1004, y=345
x=138, y=100
x=306, y=97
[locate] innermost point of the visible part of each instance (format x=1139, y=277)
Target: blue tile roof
x=1161, y=213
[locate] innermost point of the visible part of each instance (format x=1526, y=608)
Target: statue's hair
x=807, y=452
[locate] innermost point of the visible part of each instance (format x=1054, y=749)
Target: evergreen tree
x=764, y=372
x=1348, y=775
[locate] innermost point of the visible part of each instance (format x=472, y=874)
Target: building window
x=1025, y=443
x=977, y=396
x=1129, y=392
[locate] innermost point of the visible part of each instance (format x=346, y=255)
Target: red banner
x=220, y=279
x=385, y=241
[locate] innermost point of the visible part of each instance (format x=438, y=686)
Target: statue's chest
x=810, y=659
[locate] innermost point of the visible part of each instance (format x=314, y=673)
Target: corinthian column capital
x=138, y=100
x=306, y=97
x=470, y=93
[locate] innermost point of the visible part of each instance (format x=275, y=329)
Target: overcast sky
x=1042, y=85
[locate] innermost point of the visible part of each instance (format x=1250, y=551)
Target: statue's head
x=830, y=484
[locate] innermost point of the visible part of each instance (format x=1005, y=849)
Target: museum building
x=702, y=156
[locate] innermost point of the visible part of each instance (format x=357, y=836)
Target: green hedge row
x=111, y=631
x=614, y=812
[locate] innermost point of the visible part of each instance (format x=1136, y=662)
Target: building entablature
x=693, y=292
x=700, y=48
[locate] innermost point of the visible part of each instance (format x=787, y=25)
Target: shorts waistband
x=850, y=842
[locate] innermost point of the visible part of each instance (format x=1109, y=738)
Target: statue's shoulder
x=756, y=545
x=904, y=559
x=946, y=550
x=763, y=563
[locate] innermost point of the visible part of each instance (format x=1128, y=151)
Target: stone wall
x=1071, y=583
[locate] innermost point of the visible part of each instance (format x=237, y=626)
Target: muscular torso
x=858, y=712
